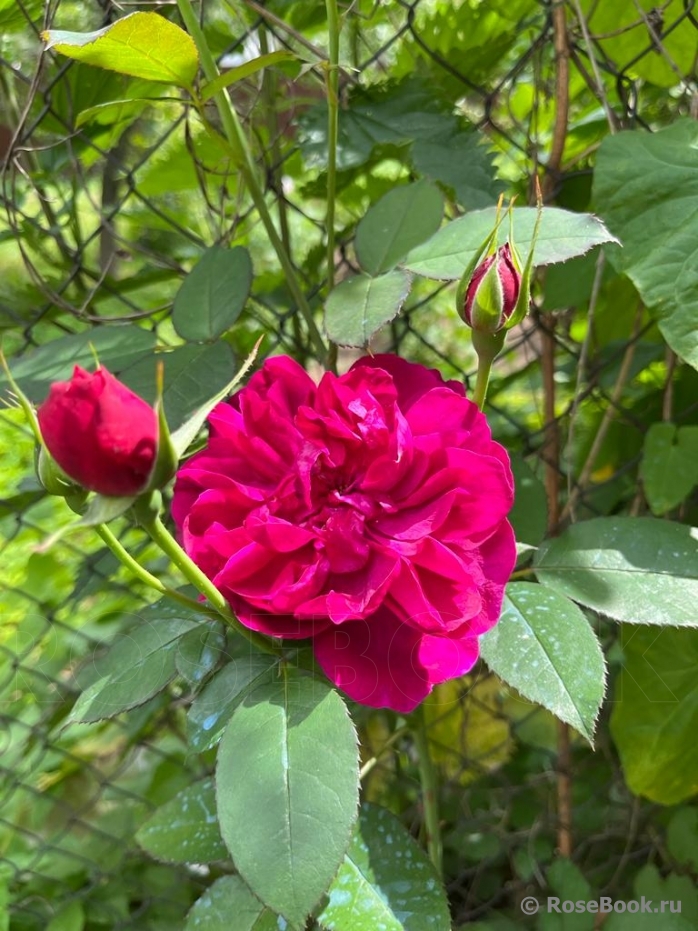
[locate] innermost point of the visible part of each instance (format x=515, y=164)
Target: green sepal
x=487, y=312
x=77, y=500
x=147, y=508
x=515, y=256
x=167, y=460
x=52, y=477
x=524, y=300
x=487, y=248
x=23, y=400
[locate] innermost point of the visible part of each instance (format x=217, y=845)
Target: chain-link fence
x=109, y=194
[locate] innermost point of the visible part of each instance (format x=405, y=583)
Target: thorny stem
x=167, y=543
x=552, y=462
x=333, y=26
x=332, y=131
x=562, y=78
x=245, y=161
x=430, y=797
x=269, y=88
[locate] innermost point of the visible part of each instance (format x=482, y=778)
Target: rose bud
x=100, y=433
x=492, y=292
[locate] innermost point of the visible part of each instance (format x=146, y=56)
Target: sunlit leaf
x=655, y=710
x=563, y=235
x=639, y=570
x=386, y=881
x=287, y=789
x=144, y=45
x=545, y=648
x=659, y=232
x=359, y=306
x=185, y=829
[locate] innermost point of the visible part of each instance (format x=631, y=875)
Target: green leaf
x=659, y=232
x=655, y=712
x=246, y=70
x=15, y=17
x=544, y=647
x=228, y=896
x=213, y=294
x=184, y=436
x=144, y=45
x=199, y=651
x=193, y=374
x=386, y=881
x=185, y=829
x=563, y=235
x=358, y=307
x=398, y=116
x=379, y=115
x=682, y=837
x=4, y=906
x=138, y=665
x=569, y=885
x=635, y=569
x=124, y=109
x=118, y=349
x=669, y=467
x=622, y=35
x=287, y=784
x=657, y=889
x=529, y=516
x=458, y=159
x=212, y=708
x=401, y=220
x=71, y=917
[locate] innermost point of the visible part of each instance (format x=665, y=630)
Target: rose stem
x=167, y=543
x=146, y=577
x=243, y=156
x=430, y=799
x=481, y=382
x=333, y=26
x=487, y=346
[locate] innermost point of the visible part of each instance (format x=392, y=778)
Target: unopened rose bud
x=492, y=292
x=100, y=433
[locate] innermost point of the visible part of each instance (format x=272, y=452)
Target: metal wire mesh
x=99, y=231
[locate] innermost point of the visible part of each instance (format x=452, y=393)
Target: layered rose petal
x=411, y=381
x=368, y=513
x=386, y=663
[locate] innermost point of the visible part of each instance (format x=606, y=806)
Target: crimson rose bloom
x=368, y=512
x=100, y=433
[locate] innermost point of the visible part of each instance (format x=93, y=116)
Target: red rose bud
x=100, y=433
x=492, y=292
